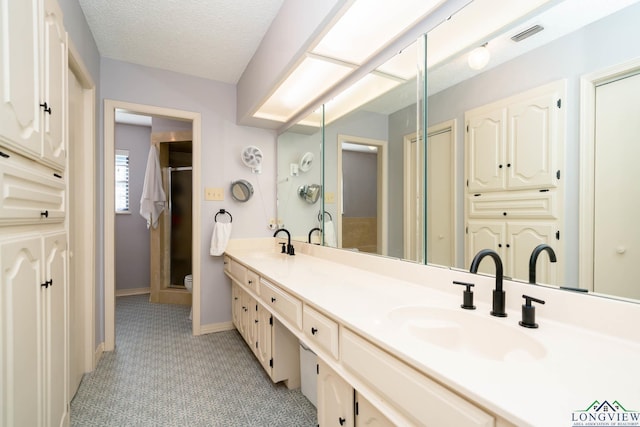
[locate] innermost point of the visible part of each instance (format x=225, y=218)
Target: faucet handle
x=467, y=295
x=529, y=312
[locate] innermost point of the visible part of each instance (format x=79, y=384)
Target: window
x=122, y=181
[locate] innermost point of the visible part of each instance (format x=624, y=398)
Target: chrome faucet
x=289, y=249
x=311, y=232
x=498, y=293
x=534, y=258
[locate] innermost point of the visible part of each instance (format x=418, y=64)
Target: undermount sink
x=469, y=332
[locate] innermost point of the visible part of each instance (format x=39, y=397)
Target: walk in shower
x=171, y=242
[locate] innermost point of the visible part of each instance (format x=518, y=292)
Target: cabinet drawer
x=530, y=204
x=321, y=330
x=418, y=397
x=252, y=280
x=238, y=271
x=30, y=193
x=288, y=307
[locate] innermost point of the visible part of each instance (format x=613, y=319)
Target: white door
x=335, y=399
x=617, y=193
x=440, y=194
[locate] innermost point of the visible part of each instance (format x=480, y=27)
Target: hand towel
x=153, y=198
x=220, y=238
x=329, y=233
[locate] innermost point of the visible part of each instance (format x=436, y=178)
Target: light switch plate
x=214, y=193
x=329, y=197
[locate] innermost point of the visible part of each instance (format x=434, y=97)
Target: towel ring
x=326, y=213
x=222, y=211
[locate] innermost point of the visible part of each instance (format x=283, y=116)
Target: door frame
x=110, y=107
x=85, y=207
x=586, y=220
x=382, y=186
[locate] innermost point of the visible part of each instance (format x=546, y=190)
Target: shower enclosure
x=171, y=242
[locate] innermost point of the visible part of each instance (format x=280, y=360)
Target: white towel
x=220, y=238
x=153, y=199
x=329, y=233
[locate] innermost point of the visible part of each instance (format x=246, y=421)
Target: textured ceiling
x=214, y=39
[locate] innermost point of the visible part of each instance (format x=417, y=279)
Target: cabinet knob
x=342, y=421
x=44, y=214
x=250, y=281
x=273, y=299
x=500, y=166
x=314, y=331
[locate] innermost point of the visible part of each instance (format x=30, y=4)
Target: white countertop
x=564, y=369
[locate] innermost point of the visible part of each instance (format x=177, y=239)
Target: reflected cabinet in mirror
x=531, y=143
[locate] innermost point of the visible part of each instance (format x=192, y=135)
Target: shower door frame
x=160, y=245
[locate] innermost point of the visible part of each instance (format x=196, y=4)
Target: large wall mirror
x=586, y=55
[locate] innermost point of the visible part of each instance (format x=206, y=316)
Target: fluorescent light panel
x=312, y=77
x=363, y=30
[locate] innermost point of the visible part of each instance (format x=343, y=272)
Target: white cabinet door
x=522, y=238
x=485, y=150
x=20, y=114
x=264, y=338
x=22, y=323
x=335, y=399
x=56, y=333
x=236, y=305
x=251, y=328
x=55, y=86
x=368, y=416
x=532, y=159
x=485, y=235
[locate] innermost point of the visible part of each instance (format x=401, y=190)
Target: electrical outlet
x=329, y=197
x=272, y=224
x=214, y=193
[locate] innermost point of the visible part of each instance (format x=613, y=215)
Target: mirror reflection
x=536, y=56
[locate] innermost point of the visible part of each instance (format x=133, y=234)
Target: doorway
x=110, y=107
x=362, y=194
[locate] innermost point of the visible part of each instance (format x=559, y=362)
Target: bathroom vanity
x=391, y=336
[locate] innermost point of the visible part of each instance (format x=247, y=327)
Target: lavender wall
x=132, y=236
x=222, y=142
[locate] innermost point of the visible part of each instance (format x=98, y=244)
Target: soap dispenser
x=529, y=312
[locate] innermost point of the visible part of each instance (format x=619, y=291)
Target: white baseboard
x=97, y=355
x=132, y=291
x=216, y=327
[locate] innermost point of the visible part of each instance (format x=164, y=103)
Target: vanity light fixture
x=368, y=26
x=479, y=57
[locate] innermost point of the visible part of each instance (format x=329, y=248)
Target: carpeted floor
x=161, y=375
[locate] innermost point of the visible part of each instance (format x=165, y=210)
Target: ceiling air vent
x=527, y=33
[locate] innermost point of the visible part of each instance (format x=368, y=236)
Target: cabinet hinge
x=256, y=307
x=467, y=183
x=467, y=128
x=271, y=362
x=4, y=155
x=271, y=320
x=558, y=235
x=559, y=103
x=558, y=174
x=317, y=369
x=256, y=344
x=466, y=230
x=357, y=413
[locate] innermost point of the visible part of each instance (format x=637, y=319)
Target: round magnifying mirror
x=241, y=190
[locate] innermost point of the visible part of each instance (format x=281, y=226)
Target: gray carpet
x=161, y=375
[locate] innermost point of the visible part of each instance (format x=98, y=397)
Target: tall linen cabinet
x=33, y=203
